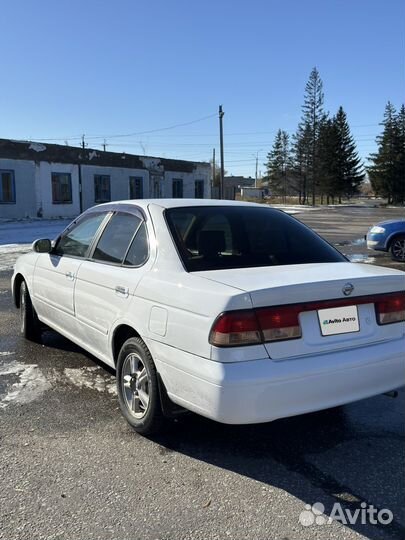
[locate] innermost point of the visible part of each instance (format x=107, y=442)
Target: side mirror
x=43, y=245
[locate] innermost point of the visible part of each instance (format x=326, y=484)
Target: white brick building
x=50, y=180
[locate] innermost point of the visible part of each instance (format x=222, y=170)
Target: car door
x=106, y=282
x=56, y=272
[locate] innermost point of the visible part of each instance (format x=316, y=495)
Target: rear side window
x=76, y=241
x=215, y=237
x=116, y=238
x=139, y=250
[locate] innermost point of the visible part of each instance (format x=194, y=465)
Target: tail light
x=280, y=323
x=390, y=308
x=249, y=327
x=236, y=328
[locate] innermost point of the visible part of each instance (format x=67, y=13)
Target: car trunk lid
x=304, y=284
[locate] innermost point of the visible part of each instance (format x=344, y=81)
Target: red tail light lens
x=280, y=323
x=391, y=308
x=236, y=328
x=250, y=327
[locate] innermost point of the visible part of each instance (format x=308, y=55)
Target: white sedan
x=235, y=311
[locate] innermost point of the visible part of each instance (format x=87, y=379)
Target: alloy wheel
x=398, y=249
x=135, y=385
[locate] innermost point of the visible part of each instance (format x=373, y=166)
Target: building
x=252, y=193
x=234, y=184
x=51, y=180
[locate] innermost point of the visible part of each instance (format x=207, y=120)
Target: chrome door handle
x=121, y=291
x=70, y=275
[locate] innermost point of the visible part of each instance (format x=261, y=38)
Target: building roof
x=58, y=153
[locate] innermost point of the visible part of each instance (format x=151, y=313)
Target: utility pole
x=257, y=161
x=213, y=171
x=256, y=156
x=221, y=145
x=285, y=183
x=104, y=145
x=80, y=177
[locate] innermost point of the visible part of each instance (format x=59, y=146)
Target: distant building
x=234, y=184
x=50, y=180
x=253, y=193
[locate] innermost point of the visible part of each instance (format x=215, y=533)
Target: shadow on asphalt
x=52, y=339
x=253, y=450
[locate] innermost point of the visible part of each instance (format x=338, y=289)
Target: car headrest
x=211, y=243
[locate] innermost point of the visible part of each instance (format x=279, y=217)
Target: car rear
x=317, y=334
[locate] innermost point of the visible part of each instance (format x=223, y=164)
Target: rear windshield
x=220, y=237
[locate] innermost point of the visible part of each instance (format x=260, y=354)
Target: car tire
x=138, y=388
x=30, y=326
x=397, y=248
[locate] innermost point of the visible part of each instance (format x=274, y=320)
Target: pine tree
x=340, y=168
x=328, y=156
x=307, y=137
x=302, y=153
x=387, y=171
x=278, y=164
x=350, y=167
x=401, y=127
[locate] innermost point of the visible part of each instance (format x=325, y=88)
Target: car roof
x=177, y=203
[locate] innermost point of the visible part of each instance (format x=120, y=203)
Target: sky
x=128, y=71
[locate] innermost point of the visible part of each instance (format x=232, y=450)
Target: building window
x=61, y=188
x=7, y=187
x=135, y=187
x=102, y=189
x=177, y=188
x=199, y=189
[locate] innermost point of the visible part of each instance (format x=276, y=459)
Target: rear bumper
x=264, y=390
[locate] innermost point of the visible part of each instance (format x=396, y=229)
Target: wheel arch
x=393, y=236
x=19, y=278
x=120, y=335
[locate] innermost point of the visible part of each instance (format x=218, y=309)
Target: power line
x=154, y=130
x=157, y=130
x=131, y=134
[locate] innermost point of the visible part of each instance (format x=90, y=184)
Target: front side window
x=135, y=187
x=61, y=188
x=199, y=189
x=76, y=241
x=177, y=188
x=221, y=237
x=102, y=188
x=115, y=240
x=7, y=187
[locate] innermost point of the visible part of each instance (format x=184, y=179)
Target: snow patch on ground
x=360, y=258
x=16, y=237
x=9, y=253
x=91, y=377
x=294, y=209
x=30, y=386
x=5, y=353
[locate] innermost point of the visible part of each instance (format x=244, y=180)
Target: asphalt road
x=71, y=468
